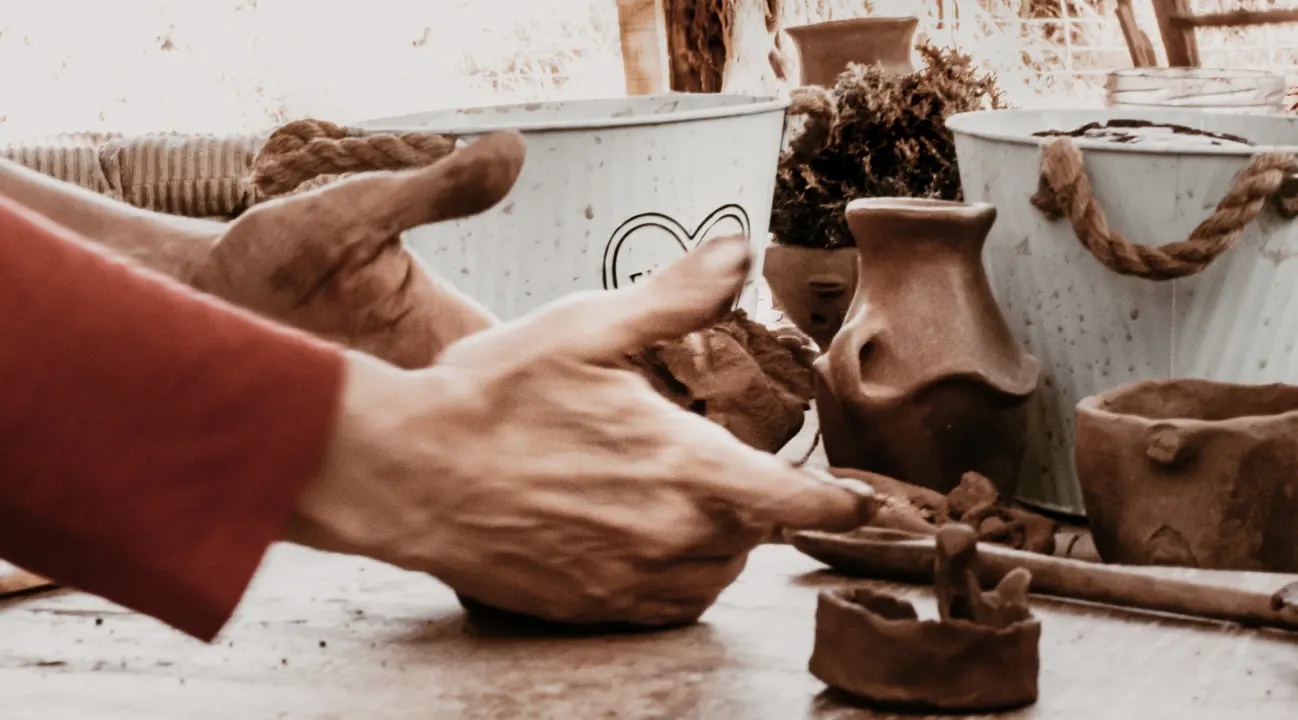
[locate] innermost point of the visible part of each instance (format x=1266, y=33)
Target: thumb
x=604, y=326
x=465, y=183
x=806, y=499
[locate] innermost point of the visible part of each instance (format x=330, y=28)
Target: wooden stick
x=1138, y=44
x=1234, y=18
x=892, y=555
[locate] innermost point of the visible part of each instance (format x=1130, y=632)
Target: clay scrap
x=980, y=655
x=975, y=502
x=750, y=379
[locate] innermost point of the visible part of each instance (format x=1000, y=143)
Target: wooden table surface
x=324, y=636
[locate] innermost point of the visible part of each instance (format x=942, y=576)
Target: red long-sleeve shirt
x=152, y=440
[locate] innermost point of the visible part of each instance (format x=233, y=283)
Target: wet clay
x=812, y=286
x=924, y=382
x=1192, y=473
x=739, y=374
x=974, y=502
x=980, y=655
x=1145, y=132
x=826, y=49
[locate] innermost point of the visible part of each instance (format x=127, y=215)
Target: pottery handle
x=1064, y=189
x=1168, y=444
x=844, y=358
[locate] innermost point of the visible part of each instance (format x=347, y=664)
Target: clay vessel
x=1193, y=473
x=826, y=49
x=813, y=287
x=924, y=382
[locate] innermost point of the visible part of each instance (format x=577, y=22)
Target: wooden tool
x=894, y=555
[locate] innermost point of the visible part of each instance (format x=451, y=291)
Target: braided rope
x=1065, y=190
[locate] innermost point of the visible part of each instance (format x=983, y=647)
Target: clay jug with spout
x=825, y=49
x=924, y=381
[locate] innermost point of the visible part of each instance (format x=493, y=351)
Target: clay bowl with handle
x=1192, y=473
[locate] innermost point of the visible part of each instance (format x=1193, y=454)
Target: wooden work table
x=323, y=636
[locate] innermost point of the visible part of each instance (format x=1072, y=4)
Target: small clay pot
x=875, y=647
x=826, y=49
x=1193, y=473
x=924, y=382
x=813, y=287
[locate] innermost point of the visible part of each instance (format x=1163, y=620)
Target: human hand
x=330, y=261
x=531, y=473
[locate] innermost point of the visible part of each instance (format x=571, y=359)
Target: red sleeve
x=152, y=440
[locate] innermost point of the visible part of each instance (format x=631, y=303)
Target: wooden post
x=1178, y=41
x=701, y=46
x=643, y=27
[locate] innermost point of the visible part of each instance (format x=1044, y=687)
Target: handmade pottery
x=924, y=382
x=1193, y=473
x=981, y=654
x=1096, y=327
x=826, y=49
x=813, y=287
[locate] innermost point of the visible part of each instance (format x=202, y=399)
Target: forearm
x=168, y=244
x=153, y=441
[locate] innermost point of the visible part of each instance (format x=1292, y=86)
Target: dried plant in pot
x=1193, y=473
x=885, y=137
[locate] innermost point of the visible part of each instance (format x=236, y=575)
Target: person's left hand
x=330, y=261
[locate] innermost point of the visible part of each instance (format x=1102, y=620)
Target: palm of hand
x=331, y=261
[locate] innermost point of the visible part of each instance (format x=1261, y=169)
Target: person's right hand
x=531, y=473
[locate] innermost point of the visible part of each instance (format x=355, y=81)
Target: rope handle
x=1065, y=190
x=304, y=150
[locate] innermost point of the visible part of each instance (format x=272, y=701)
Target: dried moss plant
x=889, y=140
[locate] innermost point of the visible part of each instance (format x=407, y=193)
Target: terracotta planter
x=826, y=49
x=1193, y=473
x=924, y=381
x=812, y=286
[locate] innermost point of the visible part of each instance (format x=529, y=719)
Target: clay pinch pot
x=812, y=286
x=924, y=382
x=1192, y=473
x=826, y=49
x=981, y=655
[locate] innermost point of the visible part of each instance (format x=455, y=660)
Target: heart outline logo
x=684, y=238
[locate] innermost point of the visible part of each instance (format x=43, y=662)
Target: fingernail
x=850, y=484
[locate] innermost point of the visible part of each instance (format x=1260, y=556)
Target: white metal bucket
x=1094, y=329
x=611, y=190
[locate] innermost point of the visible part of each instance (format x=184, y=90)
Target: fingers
x=602, y=327
x=765, y=491
x=467, y=182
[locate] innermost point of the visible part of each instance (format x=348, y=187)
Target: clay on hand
x=330, y=261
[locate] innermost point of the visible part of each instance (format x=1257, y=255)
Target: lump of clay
x=974, y=502
x=981, y=655
x=738, y=374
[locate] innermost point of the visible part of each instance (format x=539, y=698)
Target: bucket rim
x=966, y=123
x=453, y=121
